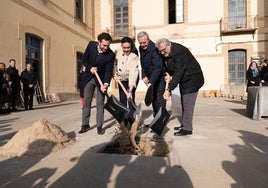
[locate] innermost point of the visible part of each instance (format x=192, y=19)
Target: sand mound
x=42, y=137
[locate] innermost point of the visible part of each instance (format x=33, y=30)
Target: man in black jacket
x=15, y=84
x=28, y=79
x=98, y=57
x=185, y=71
x=153, y=69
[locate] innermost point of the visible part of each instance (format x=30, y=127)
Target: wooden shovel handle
x=123, y=87
x=98, y=78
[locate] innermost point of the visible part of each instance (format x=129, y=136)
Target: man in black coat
x=185, y=71
x=153, y=69
x=15, y=84
x=98, y=57
x=264, y=73
x=28, y=79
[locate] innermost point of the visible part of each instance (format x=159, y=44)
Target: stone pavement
x=227, y=149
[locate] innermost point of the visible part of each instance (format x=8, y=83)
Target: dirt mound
x=42, y=137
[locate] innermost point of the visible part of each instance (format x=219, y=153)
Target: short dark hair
x=104, y=36
x=12, y=60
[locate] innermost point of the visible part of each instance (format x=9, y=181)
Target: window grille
x=237, y=66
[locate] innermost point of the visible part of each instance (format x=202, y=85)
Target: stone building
x=223, y=35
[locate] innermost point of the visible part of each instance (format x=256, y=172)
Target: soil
x=41, y=137
x=125, y=144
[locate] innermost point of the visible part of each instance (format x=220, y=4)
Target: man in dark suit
x=185, y=71
x=98, y=57
x=153, y=69
x=28, y=79
x=15, y=84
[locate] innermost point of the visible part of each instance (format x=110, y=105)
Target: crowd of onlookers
x=10, y=87
x=257, y=75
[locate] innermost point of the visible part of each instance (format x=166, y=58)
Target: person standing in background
x=264, y=73
x=28, y=79
x=15, y=84
x=253, y=75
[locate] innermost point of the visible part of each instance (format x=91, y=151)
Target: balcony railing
x=118, y=33
x=238, y=24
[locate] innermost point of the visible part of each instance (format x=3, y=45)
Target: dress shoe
x=84, y=129
x=183, y=133
x=100, y=130
x=178, y=128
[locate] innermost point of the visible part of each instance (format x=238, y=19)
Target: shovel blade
x=116, y=109
x=160, y=121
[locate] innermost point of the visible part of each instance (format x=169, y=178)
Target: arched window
x=34, y=54
x=237, y=66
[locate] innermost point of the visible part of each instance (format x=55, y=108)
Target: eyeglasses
x=162, y=50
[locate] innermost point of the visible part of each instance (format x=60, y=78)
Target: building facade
x=53, y=34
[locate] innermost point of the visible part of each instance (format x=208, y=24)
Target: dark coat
x=103, y=61
x=152, y=64
x=28, y=77
x=250, y=77
x=264, y=75
x=184, y=69
x=14, y=77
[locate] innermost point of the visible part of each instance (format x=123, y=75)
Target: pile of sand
x=42, y=137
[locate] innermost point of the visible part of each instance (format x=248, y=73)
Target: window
x=33, y=54
x=237, y=66
x=79, y=9
x=121, y=18
x=175, y=10
x=79, y=57
x=237, y=14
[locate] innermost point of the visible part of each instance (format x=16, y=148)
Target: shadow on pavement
x=250, y=168
x=120, y=171
x=13, y=170
x=5, y=125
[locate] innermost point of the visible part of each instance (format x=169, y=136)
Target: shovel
x=114, y=106
x=137, y=108
x=160, y=120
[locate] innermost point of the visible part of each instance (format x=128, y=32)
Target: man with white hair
x=185, y=71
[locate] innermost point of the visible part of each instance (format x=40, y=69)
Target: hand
x=84, y=68
x=30, y=85
x=262, y=81
x=117, y=78
x=93, y=70
x=166, y=94
x=103, y=88
x=129, y=95
x=145, y=80
x=167, y=77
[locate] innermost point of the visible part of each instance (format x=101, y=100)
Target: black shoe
x=14, y=110
x=100, y=130
x=183, y=133
x=178, y=128
x=30, y=108
x=84, y=129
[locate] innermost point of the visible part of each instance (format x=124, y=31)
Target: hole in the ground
x=154, y=148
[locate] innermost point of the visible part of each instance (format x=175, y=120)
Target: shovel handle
x=123, y=87
x=101, y=84
x=98, y=78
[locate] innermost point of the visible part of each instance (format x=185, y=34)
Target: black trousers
x=28, y=97
x=124, y=100
x=158, y=100
x=14, y=98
